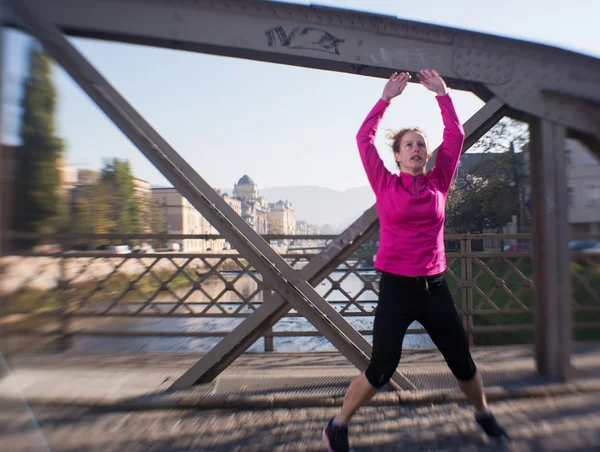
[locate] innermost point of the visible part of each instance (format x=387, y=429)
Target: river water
x=352, y=284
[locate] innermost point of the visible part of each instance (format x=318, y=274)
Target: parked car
x=175, y=247
x=119, y=249
x=144, y=250
x=593, y=250
x=54, y=249
x=518, y=248
x=578, y=246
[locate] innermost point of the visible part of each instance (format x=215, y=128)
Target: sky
x=282, y=125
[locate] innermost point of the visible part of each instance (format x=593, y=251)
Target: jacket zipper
x=415, y=193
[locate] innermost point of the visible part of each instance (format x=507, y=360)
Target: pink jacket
x=412, y=208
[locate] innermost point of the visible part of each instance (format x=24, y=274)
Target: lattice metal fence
x=95, y=293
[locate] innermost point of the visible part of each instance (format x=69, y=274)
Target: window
x=569, y=157
x=571, y=196
x=592, y=194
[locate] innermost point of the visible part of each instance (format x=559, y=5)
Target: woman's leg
x=359, y=392
x=392, y=317
x=443, y=324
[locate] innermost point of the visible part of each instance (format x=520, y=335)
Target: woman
x=411, y=258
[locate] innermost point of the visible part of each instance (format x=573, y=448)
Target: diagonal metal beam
x=278, y=275
x=273, y=309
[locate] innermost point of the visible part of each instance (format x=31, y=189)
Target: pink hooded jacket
x=412, y=208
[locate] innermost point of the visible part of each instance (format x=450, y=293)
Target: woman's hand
x=433, y=82
x=395, y=86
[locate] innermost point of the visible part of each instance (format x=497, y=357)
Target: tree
x=490, y=192
x=275, y=224
x=117, y=179
x=507, y=145
x=92, y=211
x=38, y=201
x=91, y=214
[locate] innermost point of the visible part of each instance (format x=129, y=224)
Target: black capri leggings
x=427, y=300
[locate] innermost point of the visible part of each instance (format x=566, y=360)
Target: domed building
x=254, y=208
x=245, y=188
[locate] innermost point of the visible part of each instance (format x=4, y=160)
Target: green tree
x=118, y=180
x=275, y=224
x=38, y=201
x=91, y=214
x=461, y=207
x=507, y=145
x=480, y=205
x=490, y=192
x=92, y=211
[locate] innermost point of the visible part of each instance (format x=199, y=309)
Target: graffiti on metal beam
x=304, y=38
x=415, y=56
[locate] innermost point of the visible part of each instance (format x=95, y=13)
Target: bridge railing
x=190, y=299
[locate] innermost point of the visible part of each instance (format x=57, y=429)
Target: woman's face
x=413, y=155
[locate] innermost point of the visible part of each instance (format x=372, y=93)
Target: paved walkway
x=271, y=402
x=567, y=423
x=270, y=380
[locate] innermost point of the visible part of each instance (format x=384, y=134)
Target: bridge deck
x=262, y=379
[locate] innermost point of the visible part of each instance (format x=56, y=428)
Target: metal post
x=466, y=275
x=469, y=283
x=4, y=216
x=269, y=345
x=553, y=335
x=63, y=314
x=463, y=277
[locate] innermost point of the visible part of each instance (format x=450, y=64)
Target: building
x=583, y=188
x=254, y=208
x=69, y=175
x=245, y=188
x=180, y=217
x=236, y=205
x=255, y=213
x=282, y=218
x=143, y=193
x=302, y=227
x=87, y=176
